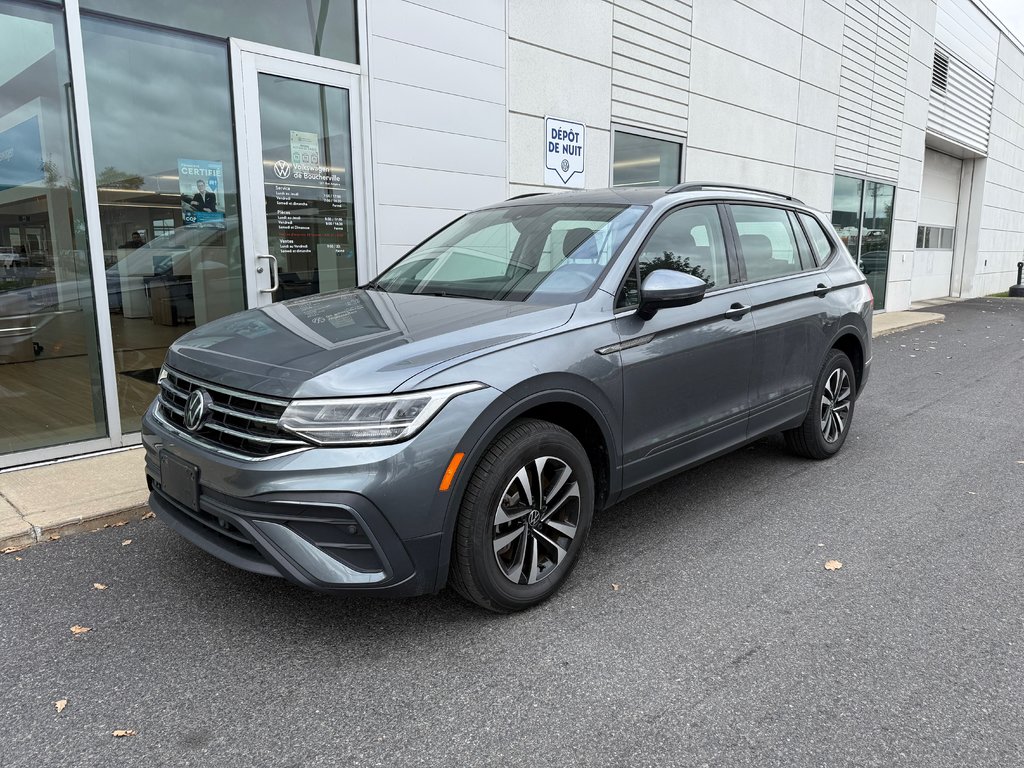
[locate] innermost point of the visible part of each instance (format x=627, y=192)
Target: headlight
x=368, y=420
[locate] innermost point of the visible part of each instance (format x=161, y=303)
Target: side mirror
x=665, y=288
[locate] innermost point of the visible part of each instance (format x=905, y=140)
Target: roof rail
x=697, y=186
x=526, y=194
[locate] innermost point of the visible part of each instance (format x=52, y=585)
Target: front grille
x=239, y=423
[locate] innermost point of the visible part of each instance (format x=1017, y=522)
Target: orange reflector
x=449, y=474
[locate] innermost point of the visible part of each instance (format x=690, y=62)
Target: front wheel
x=524, y=517
x=830, y=415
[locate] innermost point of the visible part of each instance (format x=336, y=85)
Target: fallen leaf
x=615, y=587
x=120, y=734
x=1020, y=462
x=126, y=542
x=833, y=565
x=97, y=585
x=77, y=630
x=149, y=515
x=18, y=559
x=972, y=493
x=59, y=705
x=10, y=550
x=54, y=537
x=118, y=525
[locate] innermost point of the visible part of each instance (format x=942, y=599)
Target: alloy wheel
x=835, y=405
x=536, y=520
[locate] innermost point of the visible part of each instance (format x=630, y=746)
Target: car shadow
x=660, y=516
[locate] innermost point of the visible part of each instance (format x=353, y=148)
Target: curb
x=935, y=318
x=35, y=534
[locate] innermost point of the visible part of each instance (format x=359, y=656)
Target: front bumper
x=368, y=519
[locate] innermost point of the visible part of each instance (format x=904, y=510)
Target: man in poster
x=202, y=200
x=198, y=184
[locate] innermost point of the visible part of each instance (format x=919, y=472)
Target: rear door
x=786, y=289
x=685, y=371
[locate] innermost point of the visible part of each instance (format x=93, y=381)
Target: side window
x=687, y=240
x=766, y=241
x=806, y=257
x=819, y=240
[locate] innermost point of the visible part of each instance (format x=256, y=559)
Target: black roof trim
x=699, y=186
x=527, y=194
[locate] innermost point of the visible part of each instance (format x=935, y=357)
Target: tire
x=830, y=414
x=508, y=554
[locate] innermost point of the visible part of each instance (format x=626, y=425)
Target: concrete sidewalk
x=41, y=503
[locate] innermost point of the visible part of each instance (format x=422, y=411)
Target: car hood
x=352, y=342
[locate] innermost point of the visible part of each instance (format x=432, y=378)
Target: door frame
x=248, y=61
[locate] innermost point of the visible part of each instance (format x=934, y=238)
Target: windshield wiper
x=448, y=295
x=375, y=287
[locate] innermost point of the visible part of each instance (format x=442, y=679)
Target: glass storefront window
x=321, y=27
x=643, y=161
x=862, y=216
x=307, y=180
x=50, y=385
x=160, y=107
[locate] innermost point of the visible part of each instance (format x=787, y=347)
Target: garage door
x=933, y=261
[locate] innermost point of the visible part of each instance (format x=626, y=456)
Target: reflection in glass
x=321, y=27
x=307, y=175
x=50, y=386
x=167, y=189
x=877, y=233
x=641, y=161
x=862, y=216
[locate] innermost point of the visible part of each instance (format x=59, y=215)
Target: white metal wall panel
x=438, y=114
x=1001, y=232
x=962, y=28
x=651, y=64
x=962, y=112
x=872, y=89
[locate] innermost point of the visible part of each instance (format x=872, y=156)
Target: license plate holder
x=180, y=481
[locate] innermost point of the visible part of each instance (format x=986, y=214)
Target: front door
x=300, y=169
x=685, y=372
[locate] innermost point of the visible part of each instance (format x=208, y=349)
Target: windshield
x=540, y=253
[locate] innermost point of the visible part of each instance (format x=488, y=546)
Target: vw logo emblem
x=197, y=408
x=283, y=169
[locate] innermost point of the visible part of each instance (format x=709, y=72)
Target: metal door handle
x=821, y=290
x=274, y=282
x=736, y=311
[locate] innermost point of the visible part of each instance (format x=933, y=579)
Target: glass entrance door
x=299, y=158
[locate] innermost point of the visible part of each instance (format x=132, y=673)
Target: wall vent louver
x=940, y=72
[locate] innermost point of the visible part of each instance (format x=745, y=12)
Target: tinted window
x=321, y=27
x=687, y=240
x=819, y=240
x=766, y=242
x=642, y=161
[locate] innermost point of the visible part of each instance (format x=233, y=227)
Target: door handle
x=821, y=290
x=274, y=281
x=736, y=311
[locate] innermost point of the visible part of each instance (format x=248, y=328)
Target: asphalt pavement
x=700, y=627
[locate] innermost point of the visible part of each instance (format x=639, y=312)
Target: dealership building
x=163, y=164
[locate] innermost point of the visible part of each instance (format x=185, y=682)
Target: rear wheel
x=830, y=415
x=524, y=517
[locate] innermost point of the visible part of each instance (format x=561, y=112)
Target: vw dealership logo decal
x=197, y=409
x=283, y=169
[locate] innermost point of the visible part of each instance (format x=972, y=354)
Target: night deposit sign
x=563, y=152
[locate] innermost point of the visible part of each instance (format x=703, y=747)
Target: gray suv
x=459, y=419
